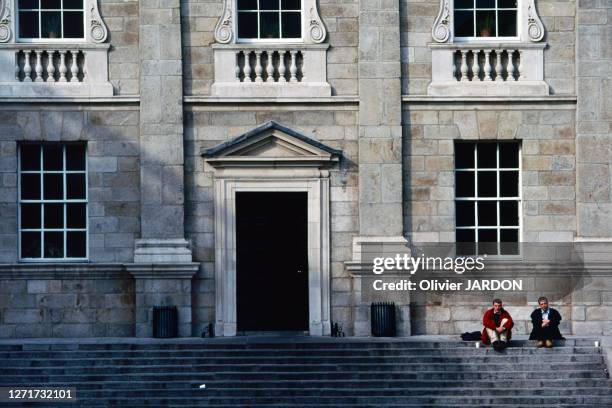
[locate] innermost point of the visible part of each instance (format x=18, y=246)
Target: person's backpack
x=473, y=336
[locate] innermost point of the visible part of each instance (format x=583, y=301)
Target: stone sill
x=196, y=99
x=488, y=45
x=479, y=99
x=54, y=46
x=270, y=46
x=72, y=99
x=62, y=270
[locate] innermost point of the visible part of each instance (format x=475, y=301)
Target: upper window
x=487, y=197
x=269, y=19
x=51, y=19
x=485, y=18
x=52, y=202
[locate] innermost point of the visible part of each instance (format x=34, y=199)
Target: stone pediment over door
x=272, y=145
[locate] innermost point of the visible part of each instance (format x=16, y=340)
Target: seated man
x=545, y=324
x=497, y=326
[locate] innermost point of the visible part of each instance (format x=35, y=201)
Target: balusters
x=475, y=66
x=258, y=67
x=281, y=67
x=293, y=66
x=270, y=67
x=50, y=67
x=498, y=65
x=487, y=65
x=510, y=67
x=74, y=68
x=520, y=66
x=62, y=66
x=27, y=68
x=464, y=67
x=247, y=67
x=38, y=70
x=237, y=68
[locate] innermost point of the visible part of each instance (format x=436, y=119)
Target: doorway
x=272, y=261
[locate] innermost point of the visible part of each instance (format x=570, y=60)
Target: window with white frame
x=52, y=201
x=485, y=18
x=269, y=19
x=487, y=197
x=51, y=19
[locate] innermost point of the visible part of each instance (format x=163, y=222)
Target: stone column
x=162, y=266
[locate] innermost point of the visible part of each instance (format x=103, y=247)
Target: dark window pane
x=507, y=23
x=30, y=157
x=464, y=155
x=291, y=5
x=465, y=242
x=30, y=216
x=51, y=24
x=247, y=4
x=73, y=24
x=247, y=25
x=508, y=183
x=464, y=24
x=464, y=186
x=73, y=4
x=75, y=157
x=464, y=4
x=54, y=215
x=52, y=157
x=508, y=155
x=76, y=215
x=508, y=213
x=50, y=4
x=75, y=186
x=487, y=213
x=76, y=244
x=30, y=186
x=509, y=239
x=30, y=244
x=487, y=186
x=292, y=25
x=28, y=4
x=485, y=23
x=269, y=25
x=485, y=3
x=268, y=5
x=464, y=213
x=28, y=25
x=464, y=235
x=506, y=4
x=487, y=155
x=487, y=235
x=54, y=245
x=53, y=187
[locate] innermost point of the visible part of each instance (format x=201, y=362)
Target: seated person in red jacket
x=497, y=326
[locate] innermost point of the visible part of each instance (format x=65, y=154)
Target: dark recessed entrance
x=272, y=261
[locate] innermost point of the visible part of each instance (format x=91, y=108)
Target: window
x=52, y=201
x=487, y=197
x=51, y=19
x=485, y=18
x=269, y=19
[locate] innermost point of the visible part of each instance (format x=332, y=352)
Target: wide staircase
x=309, y=372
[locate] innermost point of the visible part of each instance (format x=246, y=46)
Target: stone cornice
x=63, y=270
x=163, y=270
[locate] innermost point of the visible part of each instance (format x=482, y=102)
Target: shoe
x=503, y=345
x=540, y=343
x=549, y=343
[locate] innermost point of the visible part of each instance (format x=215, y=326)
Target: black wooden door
x=272, y=261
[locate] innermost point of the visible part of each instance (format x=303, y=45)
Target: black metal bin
x=165, y=322
x=382, y=315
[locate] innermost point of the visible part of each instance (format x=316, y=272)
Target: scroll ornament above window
x=53, y=48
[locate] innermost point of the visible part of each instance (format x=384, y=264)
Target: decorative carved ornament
x=441, y=28
x=441, y=31
x=5, y=21
x=224, y=30
x=98, y=29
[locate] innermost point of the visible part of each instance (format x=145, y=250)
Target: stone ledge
x=61, y=271
x=163, y=271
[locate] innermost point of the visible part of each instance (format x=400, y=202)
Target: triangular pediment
x=272, y=144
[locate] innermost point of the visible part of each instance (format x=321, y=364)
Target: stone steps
x=313, y=372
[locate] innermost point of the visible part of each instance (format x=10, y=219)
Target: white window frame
x=63, y=201
x=270, y=40
x=497, y=198
x=493, y=38
x=51, y=40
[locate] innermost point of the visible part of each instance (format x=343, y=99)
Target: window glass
x=269, y=19
x=53, y=225
x=51, y=19
x=485, y=18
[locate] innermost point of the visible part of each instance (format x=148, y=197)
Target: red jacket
x=489, y=323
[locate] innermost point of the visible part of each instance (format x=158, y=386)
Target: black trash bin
x=382, y=315
x=165, y=322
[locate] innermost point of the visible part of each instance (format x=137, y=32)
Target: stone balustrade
x=54, y=70
x=277, y=70
x=488, y=69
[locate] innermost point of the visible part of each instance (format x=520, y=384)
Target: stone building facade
x=184, y=108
